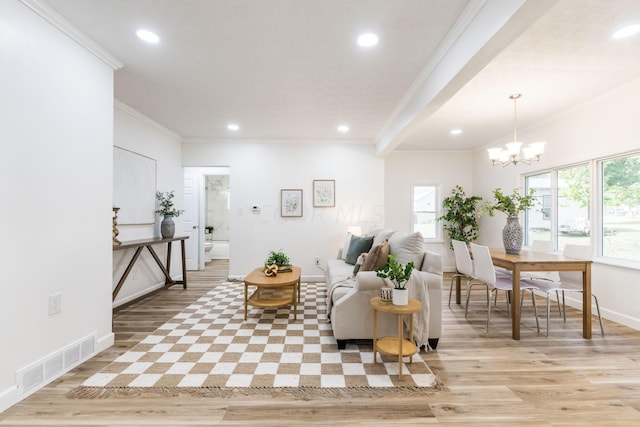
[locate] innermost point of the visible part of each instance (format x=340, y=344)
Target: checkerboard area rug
x=209, y=349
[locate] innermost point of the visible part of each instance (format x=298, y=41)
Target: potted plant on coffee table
x=399, y=275
x=280, y=259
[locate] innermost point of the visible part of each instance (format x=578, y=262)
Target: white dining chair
x=569, y=281
x=464, y=265
x=486, y=273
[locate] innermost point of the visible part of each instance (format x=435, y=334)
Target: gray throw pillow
x=357, y=246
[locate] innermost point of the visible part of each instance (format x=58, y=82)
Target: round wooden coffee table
x=283, y=280
x=394, y=346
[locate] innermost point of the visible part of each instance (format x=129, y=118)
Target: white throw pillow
x=345, y=248
x=381, y=236
x=407, y=247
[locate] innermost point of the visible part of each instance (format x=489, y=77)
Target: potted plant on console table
x=398, y=274
x=165, y=208
x=511, y=204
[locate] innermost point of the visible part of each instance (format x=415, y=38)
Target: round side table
x=394, y=346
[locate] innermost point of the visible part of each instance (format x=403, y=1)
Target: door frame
x=199, y=173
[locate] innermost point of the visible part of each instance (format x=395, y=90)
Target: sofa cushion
x=357, y=246
x=380, y=236
x=407, y=247
x=337, y=270
x=377, y=257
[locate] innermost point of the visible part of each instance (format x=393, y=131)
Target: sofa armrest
x=432, y=262
x=368, y=281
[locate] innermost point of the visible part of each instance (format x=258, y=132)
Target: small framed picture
x=291, y=203
x=324, y=193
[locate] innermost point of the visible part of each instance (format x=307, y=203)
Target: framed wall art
x=291, y=203
x=324, y=193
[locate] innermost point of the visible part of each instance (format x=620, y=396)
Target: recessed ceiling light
x=148, y=36
x=343, y=128
x=367, y=40
x=627, y=31
x=232, y=126
x=456, y=131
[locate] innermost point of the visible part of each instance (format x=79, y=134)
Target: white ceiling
x=291, y=70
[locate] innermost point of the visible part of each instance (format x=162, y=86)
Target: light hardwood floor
x=491, y=380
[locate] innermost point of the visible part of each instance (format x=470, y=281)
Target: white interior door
x=191, y=223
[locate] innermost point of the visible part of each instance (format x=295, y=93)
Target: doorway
x=206, y=221
x=216, y=216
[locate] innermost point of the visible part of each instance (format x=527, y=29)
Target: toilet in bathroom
x=208, y=245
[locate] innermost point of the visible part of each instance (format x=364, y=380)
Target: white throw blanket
x=339, y=282
x=417, y=286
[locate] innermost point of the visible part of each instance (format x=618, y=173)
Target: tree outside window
x=566, y=201
x=621, y=208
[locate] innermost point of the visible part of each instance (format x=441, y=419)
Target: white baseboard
x=8, y=398
x=623, y=319
x=105, y=342
x=43, y=371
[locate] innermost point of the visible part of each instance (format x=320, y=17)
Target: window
x=620, y=233
x=562, y=212
x=538, y=220
x=425, y=211
x=573, y=210
x=573, y=223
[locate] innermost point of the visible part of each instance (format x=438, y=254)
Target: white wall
x=137, y=133
x=259, y=170
x=403, y=169
x=56, y=113
x=605, y=126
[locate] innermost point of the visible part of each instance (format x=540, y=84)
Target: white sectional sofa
x=348, y=296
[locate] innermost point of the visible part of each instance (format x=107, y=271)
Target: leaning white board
x=134, y=187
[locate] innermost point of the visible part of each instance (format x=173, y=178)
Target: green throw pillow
x=357, y=246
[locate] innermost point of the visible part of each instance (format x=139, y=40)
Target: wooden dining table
x=528, y=260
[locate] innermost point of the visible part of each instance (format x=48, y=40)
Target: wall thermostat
x=255, y=209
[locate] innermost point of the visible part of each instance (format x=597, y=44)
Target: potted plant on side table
x=398, y=274
x=165, y=208
x=511, y=204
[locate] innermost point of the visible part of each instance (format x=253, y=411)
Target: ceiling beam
x=483, y=30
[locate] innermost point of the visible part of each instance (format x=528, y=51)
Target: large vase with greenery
x=512, y=204
x=166, y=209
x=461, y=215
x=399, y=275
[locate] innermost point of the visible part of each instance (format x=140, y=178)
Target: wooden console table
x=147, y=243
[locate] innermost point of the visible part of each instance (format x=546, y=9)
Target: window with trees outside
x=620, y=207
x=425, y=211
x=570, y=210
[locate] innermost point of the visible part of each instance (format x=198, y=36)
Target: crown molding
x=144, y=119
x=58, y=21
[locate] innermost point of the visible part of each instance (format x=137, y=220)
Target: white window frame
x=596, y=206
x=437, y=211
